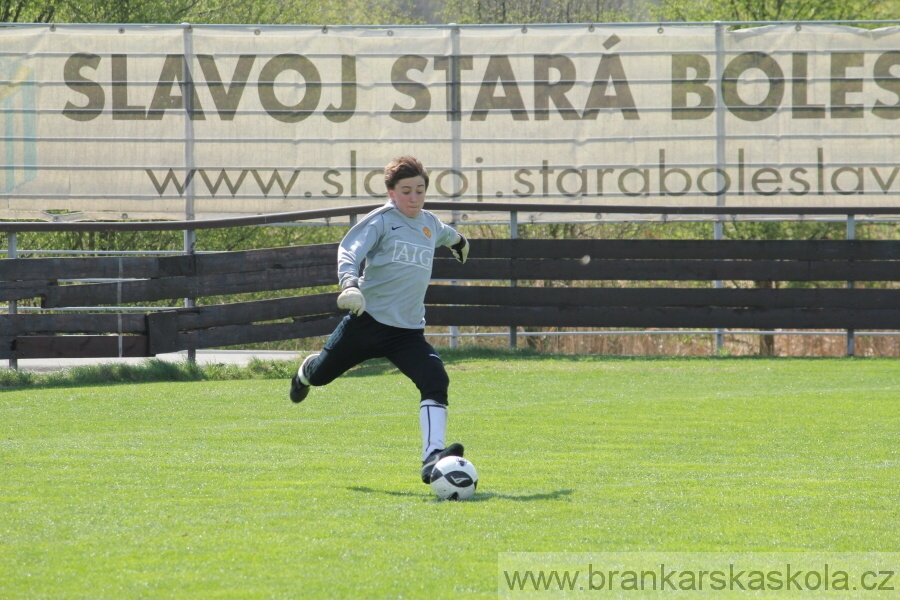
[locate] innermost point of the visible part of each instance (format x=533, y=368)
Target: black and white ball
x=454, y=478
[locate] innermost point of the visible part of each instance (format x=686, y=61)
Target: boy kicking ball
x=387, y=302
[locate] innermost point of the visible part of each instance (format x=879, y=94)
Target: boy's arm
x=351, y=252
x=353, y=249
x=460, y=249
x=454, y=240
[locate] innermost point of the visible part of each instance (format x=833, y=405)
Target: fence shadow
x=478, y=497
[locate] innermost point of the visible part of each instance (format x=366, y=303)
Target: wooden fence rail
x=559, y=283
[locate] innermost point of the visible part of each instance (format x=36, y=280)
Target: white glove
x=353, y=300
x=460, y=249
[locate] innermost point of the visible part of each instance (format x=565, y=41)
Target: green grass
x=220, y=487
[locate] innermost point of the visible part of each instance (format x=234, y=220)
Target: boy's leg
x=349, y=345
x=433, y=422
x=300, y=385
x=419, y=361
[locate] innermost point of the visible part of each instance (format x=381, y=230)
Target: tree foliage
x=128, y=11
x=28, y=11
x=95, y=11
x=316, y=12
x=304, y=12
x=773, y=10
x=536, y=11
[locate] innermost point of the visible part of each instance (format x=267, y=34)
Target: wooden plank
x=666, y=270
x=28, y=269
x=290, y=257
x=99, y=294
x=258, y=311
x=24, y=290
x=686, y=249
x=80, y=346
x=219, y=337
x=728, y=318
x=7, y=347
x=135, y=267
x=30, y=323
x=162, y=332
x=872, y=270
x=857, y=298
x=223, y=325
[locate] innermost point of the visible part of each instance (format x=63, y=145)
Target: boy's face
x=409, y=195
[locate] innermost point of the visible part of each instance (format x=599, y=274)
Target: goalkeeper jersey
x=398, y=253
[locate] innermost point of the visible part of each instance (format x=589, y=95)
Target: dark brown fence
x=699, y=262
x=678, y=293
x=89, y=334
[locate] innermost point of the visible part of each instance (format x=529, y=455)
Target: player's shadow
x=478, y=497
x=368, y=490
x=554, y=495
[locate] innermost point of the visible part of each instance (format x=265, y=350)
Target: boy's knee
x=439, y=397
x=435, y=385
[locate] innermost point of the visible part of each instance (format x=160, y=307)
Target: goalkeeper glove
x=353, y=300
x=460, y=249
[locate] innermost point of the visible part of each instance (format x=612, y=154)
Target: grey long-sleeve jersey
x=398, y=252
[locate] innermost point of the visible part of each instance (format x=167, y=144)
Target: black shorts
x=357, y=339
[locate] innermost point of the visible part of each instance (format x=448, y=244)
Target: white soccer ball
x=454, y=478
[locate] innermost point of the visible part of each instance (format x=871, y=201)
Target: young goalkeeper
x=387, y=302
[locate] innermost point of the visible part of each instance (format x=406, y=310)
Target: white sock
x=300, y=374
x=433, y=420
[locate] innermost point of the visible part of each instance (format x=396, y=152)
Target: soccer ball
x=454, y=478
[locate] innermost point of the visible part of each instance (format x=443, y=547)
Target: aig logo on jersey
x=413, y=254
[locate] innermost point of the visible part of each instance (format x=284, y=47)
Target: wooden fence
x=500, y=290
x=570, y=262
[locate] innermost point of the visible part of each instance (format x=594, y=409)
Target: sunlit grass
x=219, y=487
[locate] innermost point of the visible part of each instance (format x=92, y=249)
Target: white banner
x=167, y=121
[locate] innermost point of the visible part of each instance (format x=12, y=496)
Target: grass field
x=223, y=488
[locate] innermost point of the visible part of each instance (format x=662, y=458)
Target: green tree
x=772, y=10
x=95, y=11
x=536, y=11
x=277, y=12
x=128, y=11
x=304, y=12
x=28, y=11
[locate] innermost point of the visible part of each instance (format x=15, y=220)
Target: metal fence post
x=455, y=109
x=851, y=336
x=190, y=235
x=13, y=252
x=720, y=333
x=720, y=155
x=513, y=235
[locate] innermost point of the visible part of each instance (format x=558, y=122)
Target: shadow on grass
x=368, y=490
x=554, y=495
x=478, y=497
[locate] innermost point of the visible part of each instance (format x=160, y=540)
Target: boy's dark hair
x=402, y=168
